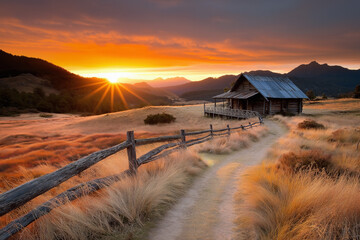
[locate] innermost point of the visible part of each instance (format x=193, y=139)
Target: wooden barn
x=266, y=95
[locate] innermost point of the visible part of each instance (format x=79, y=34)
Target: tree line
x=13, y=102
x=355, y=94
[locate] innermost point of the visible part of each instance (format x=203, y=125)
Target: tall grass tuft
x=309, y=186
x=121, y=210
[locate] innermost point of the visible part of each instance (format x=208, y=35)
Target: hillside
x=12, y=65
x=321, y=78
x=205, y=88
x=26, y=82
x=69, y=92
x=168, y=82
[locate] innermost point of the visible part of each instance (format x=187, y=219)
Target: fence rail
x=22, y=194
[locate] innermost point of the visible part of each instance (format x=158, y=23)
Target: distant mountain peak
x=314, y=63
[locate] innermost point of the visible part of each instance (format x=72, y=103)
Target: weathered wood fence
x=22, y=194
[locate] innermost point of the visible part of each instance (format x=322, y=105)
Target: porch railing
x=229, y=112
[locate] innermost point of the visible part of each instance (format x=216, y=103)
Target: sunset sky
x=191, y=38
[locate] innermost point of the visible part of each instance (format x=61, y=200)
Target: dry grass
x=117, y=212
x=309, y=186
x=122, y=209
x=332, y=105
x=236, y=141
x=29, y=140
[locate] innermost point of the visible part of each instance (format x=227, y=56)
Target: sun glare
x=113, y=76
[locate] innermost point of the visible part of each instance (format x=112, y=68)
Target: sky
x=145, y=39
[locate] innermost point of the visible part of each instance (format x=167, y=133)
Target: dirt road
x=207, y=209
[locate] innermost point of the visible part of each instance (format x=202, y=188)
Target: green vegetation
x=14, y=102
x=159, y=118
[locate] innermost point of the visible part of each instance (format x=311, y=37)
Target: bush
x=159, y=118
x=45, y=115
x=311, y=159
x=310, y=124
x=310, y=94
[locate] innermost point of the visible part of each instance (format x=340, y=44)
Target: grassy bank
x=309, y=186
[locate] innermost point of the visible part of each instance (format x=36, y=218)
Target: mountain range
x=321, y=78
x=160, y=82
x=25, y=73
x=86, y=94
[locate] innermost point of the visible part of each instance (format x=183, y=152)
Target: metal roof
x=274, y=86
x=236, y=95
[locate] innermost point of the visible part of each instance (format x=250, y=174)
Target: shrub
x=345, y=136
x=311, y=159
x=310, y=124
x=310, y=94
x=159, y=118
x=45, y=115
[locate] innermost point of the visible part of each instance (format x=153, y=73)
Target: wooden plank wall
x=275, y=106
x=293, y=106
x=286, y=105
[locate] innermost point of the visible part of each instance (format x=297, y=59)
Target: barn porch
x=229, y=112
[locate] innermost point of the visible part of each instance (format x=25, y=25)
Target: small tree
x=310, y=94
x=324, y=96
x=357, y=92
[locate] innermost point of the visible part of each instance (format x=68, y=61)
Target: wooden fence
x=22, y=194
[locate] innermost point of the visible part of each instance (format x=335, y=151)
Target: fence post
x=228, y=127
x=131, y=151
x=211, y=131
x=242, y=127
x=183, y=139
x=204, y=110
x=250, y=124
x=260, y=120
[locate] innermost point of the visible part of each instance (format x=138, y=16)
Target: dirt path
x=207, y=209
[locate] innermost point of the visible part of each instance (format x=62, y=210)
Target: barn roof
x=272, y=86
x=237, y=95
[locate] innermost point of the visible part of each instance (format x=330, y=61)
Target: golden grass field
x=309, y=186
x=32, y=146
x=29, y=140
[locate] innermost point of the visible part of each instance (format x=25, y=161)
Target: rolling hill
x=321, y=78
x=69, y=92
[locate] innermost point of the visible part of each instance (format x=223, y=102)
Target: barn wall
x=293, y=106
x=273, y=106
x=285, y=105
x=245, y=85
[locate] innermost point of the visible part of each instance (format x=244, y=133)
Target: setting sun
x=112, y=75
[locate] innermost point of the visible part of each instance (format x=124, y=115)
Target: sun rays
x=115, y=92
